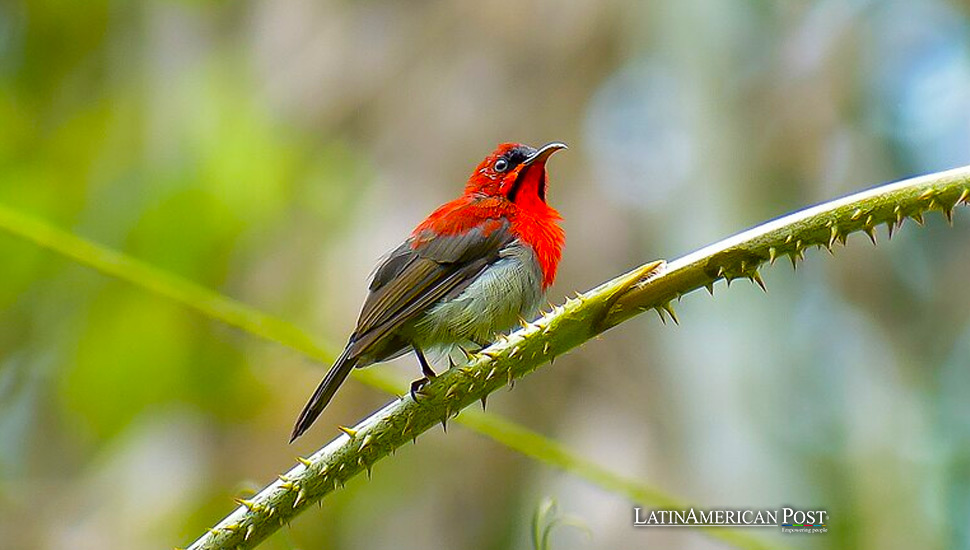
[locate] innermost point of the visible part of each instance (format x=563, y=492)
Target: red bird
x=471, y=269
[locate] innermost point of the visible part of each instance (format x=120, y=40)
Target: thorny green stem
x=257, y=323
x=651, y=286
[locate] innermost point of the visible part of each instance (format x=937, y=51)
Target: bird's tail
x=321, y=397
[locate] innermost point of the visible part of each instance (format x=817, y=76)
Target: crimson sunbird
x=471, y=269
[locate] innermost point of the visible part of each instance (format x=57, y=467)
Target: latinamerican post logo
x=790, y=520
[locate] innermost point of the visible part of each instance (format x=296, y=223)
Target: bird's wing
x=415, y=276
x=412, y=277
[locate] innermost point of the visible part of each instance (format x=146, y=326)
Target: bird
x=472, y=269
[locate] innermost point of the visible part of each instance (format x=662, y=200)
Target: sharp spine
x=352, y=433
x=670, y=311
x=756, y=277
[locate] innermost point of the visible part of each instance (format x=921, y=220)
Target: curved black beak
x=544, y=153
x=533, y=167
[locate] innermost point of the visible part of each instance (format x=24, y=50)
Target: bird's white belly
x=506, y=292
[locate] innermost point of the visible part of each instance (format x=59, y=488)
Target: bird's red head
x=515, y=172
x=510, y=184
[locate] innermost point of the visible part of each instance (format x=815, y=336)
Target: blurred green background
x=274, y=150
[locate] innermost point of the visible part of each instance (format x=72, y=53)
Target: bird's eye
x=501, y=165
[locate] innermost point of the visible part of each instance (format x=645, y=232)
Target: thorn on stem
x=352, y=433
x=249, y=504
x=756, y=278
x=670, y=311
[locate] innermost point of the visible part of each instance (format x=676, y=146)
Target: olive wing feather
x=415, y=276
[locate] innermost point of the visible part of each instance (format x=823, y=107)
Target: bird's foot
x=417, y=386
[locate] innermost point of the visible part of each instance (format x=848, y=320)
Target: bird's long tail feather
x=321, y=397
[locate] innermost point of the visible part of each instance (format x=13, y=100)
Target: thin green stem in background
x=189, y=294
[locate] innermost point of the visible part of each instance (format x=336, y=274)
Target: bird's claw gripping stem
x=417, y=386
x=426, y=369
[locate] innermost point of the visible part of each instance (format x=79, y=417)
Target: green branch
x=651, y=286
x=820, y=226
x=569, y=325
x=231, y=312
